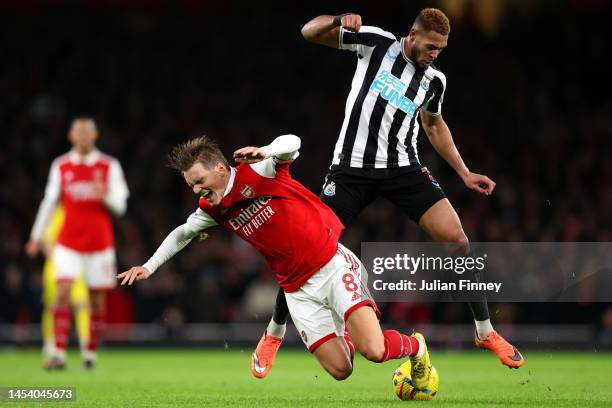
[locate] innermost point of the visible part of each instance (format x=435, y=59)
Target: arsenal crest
x=246, y=191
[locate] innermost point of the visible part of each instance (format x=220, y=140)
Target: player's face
x=83, y=135
x=425, y=46
x=208, y=182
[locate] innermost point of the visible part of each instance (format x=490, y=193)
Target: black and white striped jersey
x=380, y=125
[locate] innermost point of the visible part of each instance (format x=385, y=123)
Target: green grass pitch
x=196, y=378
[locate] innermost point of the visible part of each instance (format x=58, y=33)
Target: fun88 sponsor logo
x=392, y=89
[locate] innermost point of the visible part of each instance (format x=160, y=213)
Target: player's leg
x=262, y=359
x=68, y=264
x=79, y=299
x=97, y=300
x=62, y=320
x=314, y=321
x=419, y=195
x=379, y=346
x=346, y=194
x=80, y=306
x=334, y=357
x=442, y=224
x=49, y=293
x=352, y=303
x=100, y=271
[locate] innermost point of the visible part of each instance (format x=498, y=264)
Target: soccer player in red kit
x=297, y=234
x=90, y=186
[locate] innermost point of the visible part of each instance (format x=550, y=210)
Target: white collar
x=89, y=158
x=402, y=41
x=230, y=183
x=426, y=71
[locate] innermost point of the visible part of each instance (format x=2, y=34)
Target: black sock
x=281, y=310
x=479, y=308
x=477, y=301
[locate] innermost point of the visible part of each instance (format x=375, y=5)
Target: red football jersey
x=282, y=219
x=87, y=225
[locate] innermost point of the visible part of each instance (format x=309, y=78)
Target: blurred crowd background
x=527, y=101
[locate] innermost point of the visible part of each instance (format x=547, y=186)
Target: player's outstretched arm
x=174, y=243
x=439, y=135
x=325, y=29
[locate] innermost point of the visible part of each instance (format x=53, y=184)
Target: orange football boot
x=263, y=357
x=507, y=353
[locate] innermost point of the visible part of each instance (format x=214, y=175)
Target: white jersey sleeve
x=283, y=149
x=49, y=202
x=365, y=39
x=117, y=193
x=179, y=238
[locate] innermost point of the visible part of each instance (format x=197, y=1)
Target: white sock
x=89, y=355
x=483, y=328
x=421, y=351
x=49, y=348
x=276, y=330
x=60, y=354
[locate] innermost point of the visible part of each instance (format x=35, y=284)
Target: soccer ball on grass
x=402, y=384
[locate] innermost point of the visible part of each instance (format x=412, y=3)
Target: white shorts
x=99, y=267
x=321, y=306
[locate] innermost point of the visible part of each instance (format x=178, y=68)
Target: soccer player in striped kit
x=297, y=234
x=376, y=153
x=90, y=186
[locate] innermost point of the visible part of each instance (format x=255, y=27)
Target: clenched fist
x=351, y=22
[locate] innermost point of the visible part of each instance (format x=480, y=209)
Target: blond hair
x=200, y=149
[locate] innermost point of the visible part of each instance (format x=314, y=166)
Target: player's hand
x=249, y=155
x=351, y=22
x=32, y=248
x=479, y=183
x=134, y=274
x=46, y=248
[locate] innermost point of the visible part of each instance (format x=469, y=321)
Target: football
x=402, y=384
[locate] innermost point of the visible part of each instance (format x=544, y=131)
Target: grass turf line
x=195, y=378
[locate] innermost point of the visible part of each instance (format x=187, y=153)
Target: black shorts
x=348, y=190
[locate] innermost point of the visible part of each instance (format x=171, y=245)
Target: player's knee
x=338, y=368
x=460, y=244
x=341, y=372
x=97, y=300
x=373, y=351
x=63, y=295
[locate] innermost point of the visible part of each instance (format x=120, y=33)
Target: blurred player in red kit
x=90, y=186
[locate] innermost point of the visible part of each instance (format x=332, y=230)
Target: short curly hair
x=200, y=149
x=433, y=19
